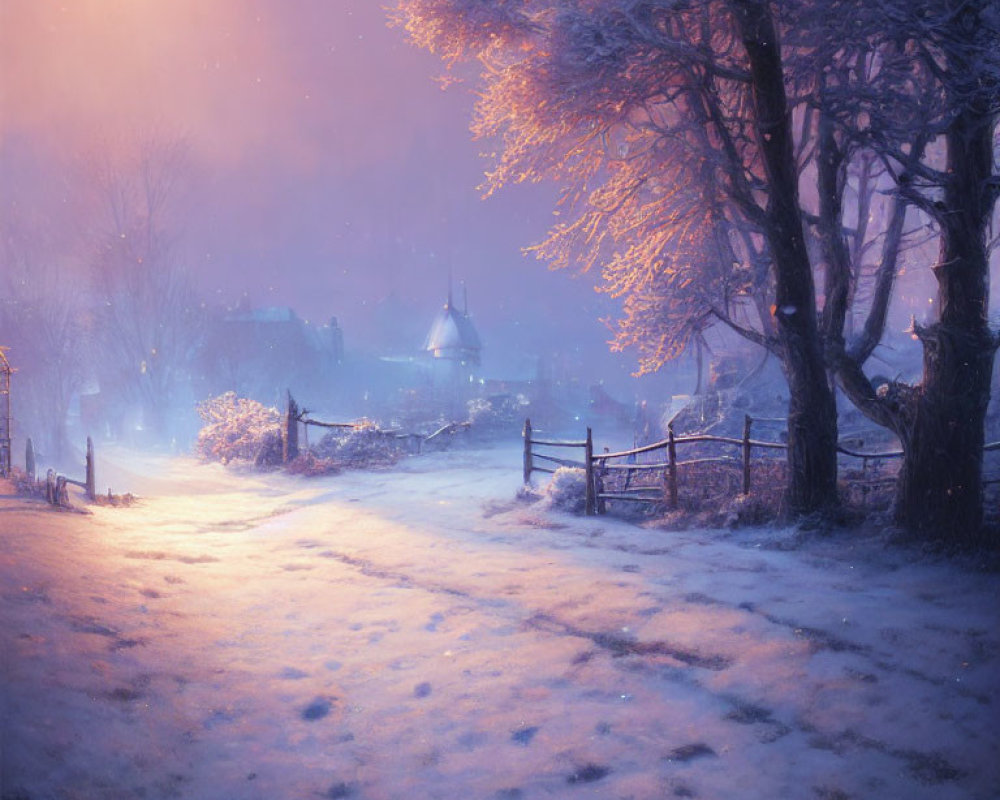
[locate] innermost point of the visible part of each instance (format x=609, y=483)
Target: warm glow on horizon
x=241, y=80
x=317, y=143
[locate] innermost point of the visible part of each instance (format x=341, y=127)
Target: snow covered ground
x=417, y=633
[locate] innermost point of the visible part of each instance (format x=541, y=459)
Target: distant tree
x=669, y=125
x=42, y=319
x=148, y=317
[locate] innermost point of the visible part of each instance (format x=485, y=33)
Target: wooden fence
x=295, y=416
x=55, y=483
x=600, y=467
x=531, y=455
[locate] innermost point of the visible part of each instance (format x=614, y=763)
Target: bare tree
x=148, y=317
x=42, y=320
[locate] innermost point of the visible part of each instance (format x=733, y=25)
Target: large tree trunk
x=812, y=417
x=940, y=490
x=812, y=427
x=939, y=495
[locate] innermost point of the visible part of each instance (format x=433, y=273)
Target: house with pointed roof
x=453, y=337
x=453, y=349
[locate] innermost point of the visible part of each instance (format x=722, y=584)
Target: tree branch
x=771, y=344
x=882, y=410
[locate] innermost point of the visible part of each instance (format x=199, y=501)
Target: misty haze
x=499, y=399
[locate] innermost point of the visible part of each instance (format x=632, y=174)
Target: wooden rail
x=587, y=445
x=316, y=422
x=55, y=484
x=670, y=444
x=598, y=466
x=294, y=415
x=445, y=430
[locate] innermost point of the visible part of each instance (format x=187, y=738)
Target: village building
x=262, y=352
x=452, y=337
x=454, y=352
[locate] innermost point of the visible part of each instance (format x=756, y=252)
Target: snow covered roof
x=453, y=336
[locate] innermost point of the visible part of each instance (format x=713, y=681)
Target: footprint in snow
x=588, y=774
x=317, y=709
x=422, y=690
x=689, y=752
x=436, y=619
x=523, y=736
x=293, y=674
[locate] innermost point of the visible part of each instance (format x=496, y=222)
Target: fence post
x=527, y=451
x=746, y=453
x=671, y=466
x=90, y=480
x=291, y=437
x=50, y=487
x=588, y=460
x=29, y=459
x=599, y=485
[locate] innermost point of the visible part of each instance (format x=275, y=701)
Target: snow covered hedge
x=239, y=429
x=25, y=485
x=361, y=447
x=310, y=465
x=498, y=414
x=567, y=491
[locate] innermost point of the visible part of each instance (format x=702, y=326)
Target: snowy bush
x=270, y=450
x=361, y=447
x=747, y=509
x=497, y=414
x=310, y=465
x=527, y=493
x=24, y=485
x=567, y=491
x=115, y=500
x=239, y=429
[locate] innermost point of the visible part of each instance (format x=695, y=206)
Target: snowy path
x=418, y=634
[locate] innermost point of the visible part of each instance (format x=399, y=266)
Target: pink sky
x=308, y=83
x=332, y=170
